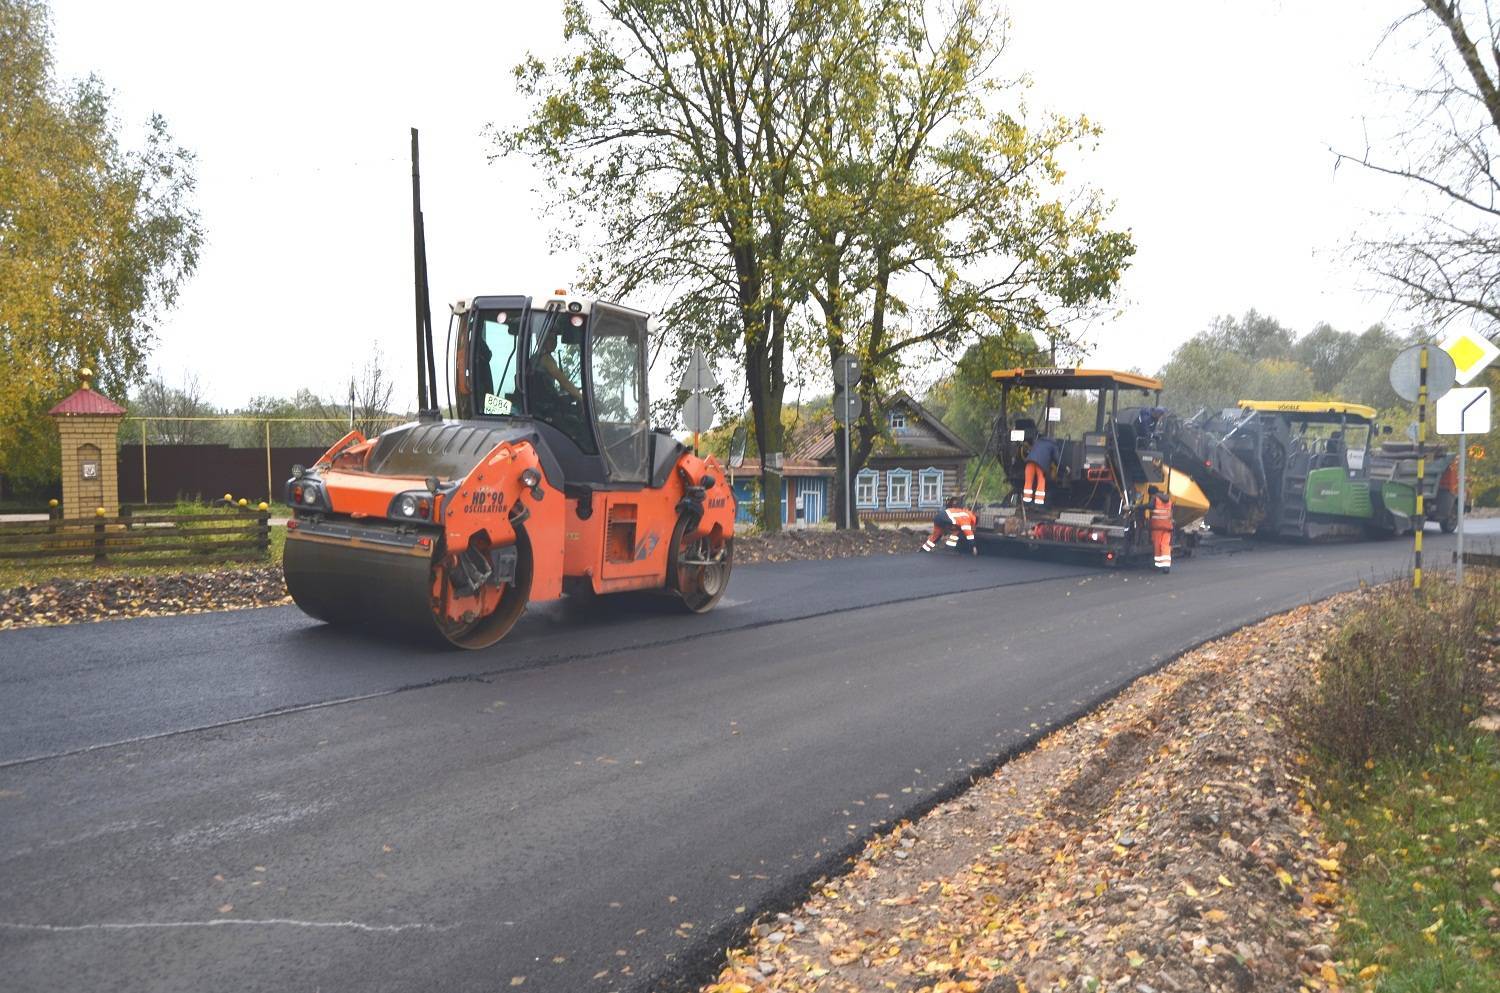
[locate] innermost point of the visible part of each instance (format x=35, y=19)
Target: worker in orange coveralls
x=1039, y=461
x=953, y=520
x=1159, y=514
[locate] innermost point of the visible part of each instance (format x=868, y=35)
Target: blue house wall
x=815, y=491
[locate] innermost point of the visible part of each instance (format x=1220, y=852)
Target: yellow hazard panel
x=1310, y=407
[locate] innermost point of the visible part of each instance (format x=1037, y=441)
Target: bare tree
x=172, y=408
x=1443, y=256
x=370, y=395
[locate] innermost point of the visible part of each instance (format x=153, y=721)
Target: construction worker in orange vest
x=1159, y=518
x=1040, y=459
x=953, y=520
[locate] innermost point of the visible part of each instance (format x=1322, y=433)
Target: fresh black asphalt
x=250, y=801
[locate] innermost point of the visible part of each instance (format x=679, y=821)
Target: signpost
x=1421, y=373
x=846, y=407
x=1462, y=411
x=698, y=381
x=1471, y=353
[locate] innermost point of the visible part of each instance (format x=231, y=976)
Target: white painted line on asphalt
x=226, y=922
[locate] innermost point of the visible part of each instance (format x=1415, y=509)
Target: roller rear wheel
x=699, y=569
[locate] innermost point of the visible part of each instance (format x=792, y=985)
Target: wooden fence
x=142, y=539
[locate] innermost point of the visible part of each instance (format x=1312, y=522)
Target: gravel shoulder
x=1167, y=842
x=72, y=601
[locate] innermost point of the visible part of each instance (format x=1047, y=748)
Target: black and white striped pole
x=1421, y=518
x=1421, y=374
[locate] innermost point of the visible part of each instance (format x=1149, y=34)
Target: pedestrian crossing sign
x=1471, y=353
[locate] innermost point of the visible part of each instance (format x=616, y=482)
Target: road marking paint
x=226, y=922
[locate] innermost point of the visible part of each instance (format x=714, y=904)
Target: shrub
x=1488, y=497
x=1399, y=675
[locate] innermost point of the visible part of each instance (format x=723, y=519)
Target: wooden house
x=913, y=469
x=806, y=489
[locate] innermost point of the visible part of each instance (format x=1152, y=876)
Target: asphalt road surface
x=251, y=801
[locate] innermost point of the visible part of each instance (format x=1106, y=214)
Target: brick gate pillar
x=88, y=426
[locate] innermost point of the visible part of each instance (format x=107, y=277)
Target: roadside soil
x=70, y=601
x=793, y=546
x=1167, y=841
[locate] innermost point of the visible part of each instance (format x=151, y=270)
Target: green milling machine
x=1308, y=470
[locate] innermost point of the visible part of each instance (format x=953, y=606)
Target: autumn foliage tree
x=938, y=217
x=95, y=239
x=792, y=174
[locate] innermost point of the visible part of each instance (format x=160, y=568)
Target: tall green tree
x=753, y=156
x=1255, y=357
x=96, y=239
x=1327, y=353
x=927, y=181
x=676, y=129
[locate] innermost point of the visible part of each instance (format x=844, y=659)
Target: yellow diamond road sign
x=1471, y=352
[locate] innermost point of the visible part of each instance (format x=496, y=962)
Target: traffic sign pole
x=1463, y=466
x=846, y=408
x=848, y=477
x=1421, y=519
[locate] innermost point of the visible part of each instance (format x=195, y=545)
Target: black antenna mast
x=426, y=369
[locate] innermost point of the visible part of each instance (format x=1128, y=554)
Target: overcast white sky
x=1218, y=115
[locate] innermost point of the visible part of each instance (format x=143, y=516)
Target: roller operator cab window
x=497, y=362
x=554, y=375
x=619, y=353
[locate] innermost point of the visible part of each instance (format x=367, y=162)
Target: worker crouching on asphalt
x=1159, y=514
x=1039, y=461
x=953, y=520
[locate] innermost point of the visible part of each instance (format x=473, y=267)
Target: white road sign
x=698, y=413
x=1464, y=410
x=698, y=377
x=1406, y=372
x=1471, y=352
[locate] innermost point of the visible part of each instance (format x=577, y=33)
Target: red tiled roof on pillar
x=86, y=401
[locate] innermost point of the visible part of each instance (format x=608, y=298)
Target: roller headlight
x=305, y=492
x=530, y=478
x=413, y=506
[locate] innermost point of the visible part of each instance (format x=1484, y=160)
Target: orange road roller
x=546, y=480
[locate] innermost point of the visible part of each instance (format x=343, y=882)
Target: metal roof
x=789, y=467
x=819, y=444
x=1312, y=410
x=85, y=401
x=1076, y=379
